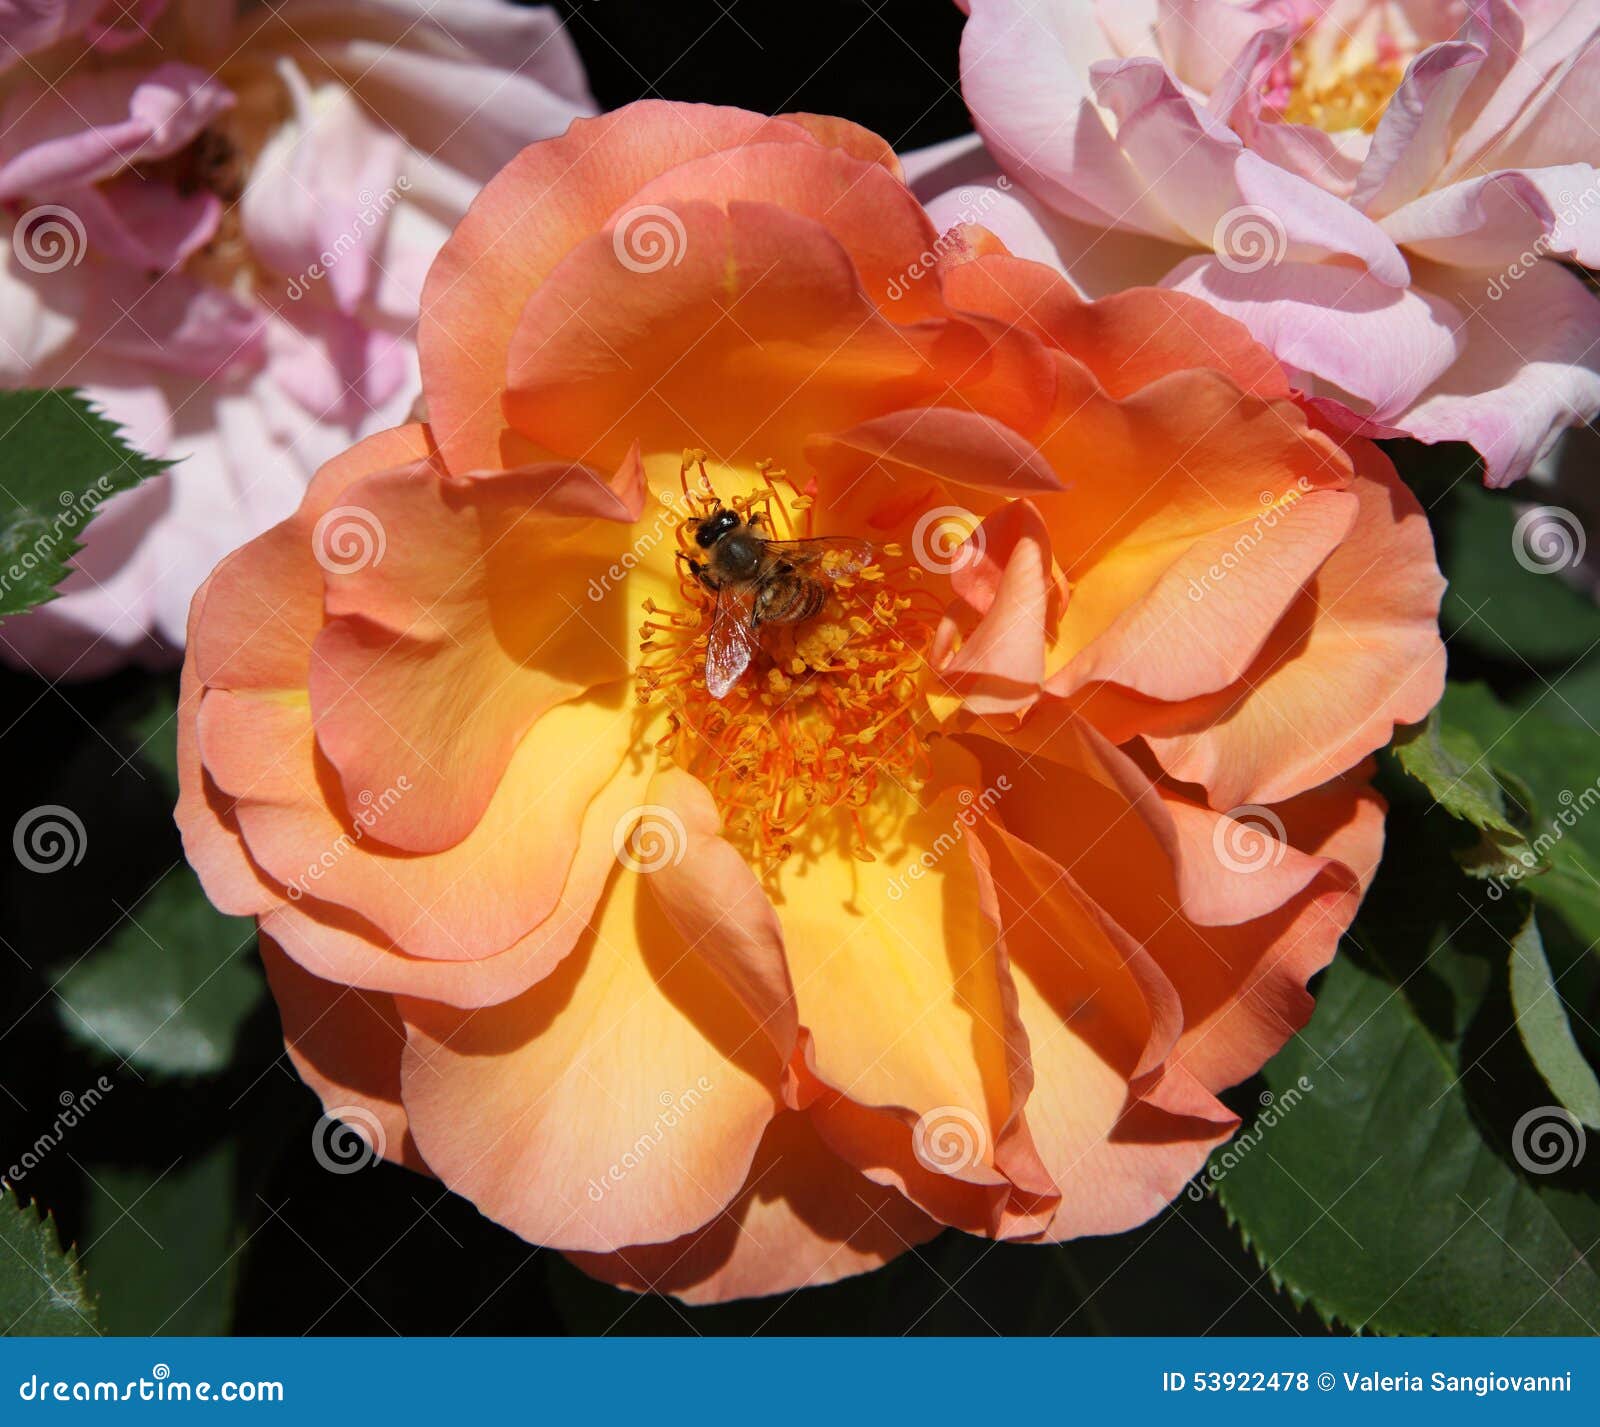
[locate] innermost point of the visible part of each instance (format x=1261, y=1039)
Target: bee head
x=714, y=527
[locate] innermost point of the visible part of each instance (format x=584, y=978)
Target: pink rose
x=220, y=234
x=1375, y=189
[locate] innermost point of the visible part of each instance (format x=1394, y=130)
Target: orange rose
x=973, y=887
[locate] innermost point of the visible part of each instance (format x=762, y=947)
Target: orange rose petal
x=804, y=1219
x=1341, y=819
x=1128, y=339
x=883, y=1148
x=204, y=813
x=1244, y=987
x=1199, y=624
x=1012, y=581
x=835, y=133
x=1237, y=912
x=1185, y=455
x=544, y=1112
x=1215, y=868
x=855, y=197
x=471, y=900
x=530, y=215
x=951, y=444
x=438, y=657
x=762, y=301
x=264, y=601
x=249, y=628
x=334, y=943
x=1104, y=987
x=1033, y=1195
x=346, y=1044
x=899, y=979
x=1358, y=654
x=1120, y=1157
x=1178, y=461
x=708, y=892
x=1100, y=1013
x=1218, y=884
x=857, y=972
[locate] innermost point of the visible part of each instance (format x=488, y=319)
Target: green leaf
x=42, y=1288
x=1452, y=766
x=1554, y=767
x=171, y=988
x=1411, y=1188
x=1380, y=1200
x=60, y=459
x=1495, y=602
x=1545, y=1030
x=162, y=1245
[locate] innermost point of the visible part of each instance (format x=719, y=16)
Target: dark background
x=891, y=66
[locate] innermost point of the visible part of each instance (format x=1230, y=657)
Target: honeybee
x=759, y=581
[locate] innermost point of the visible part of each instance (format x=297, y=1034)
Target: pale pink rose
x=1383, y=193
x=219, y=232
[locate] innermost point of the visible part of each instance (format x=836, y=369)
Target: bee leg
x=698, y=570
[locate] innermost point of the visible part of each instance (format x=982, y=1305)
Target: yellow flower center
x=832, y=706
x=1342, y=76
x=1348, y=101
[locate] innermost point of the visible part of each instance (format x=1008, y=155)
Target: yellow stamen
x=1355, y=100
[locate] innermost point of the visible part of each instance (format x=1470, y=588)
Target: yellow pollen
x=816, y=643
x=1334, y=96
x=1342, y=72
x=831, y=709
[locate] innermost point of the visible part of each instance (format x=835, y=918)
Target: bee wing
x=731, y=644
x=828, y=555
